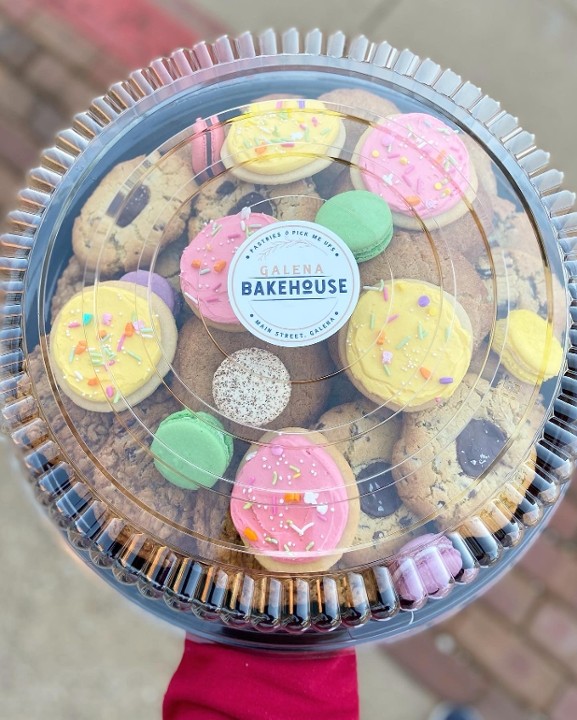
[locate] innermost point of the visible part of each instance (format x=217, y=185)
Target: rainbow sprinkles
x=108, y=352
x=282, y=140
x=290, y=500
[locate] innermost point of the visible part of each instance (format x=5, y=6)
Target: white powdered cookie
x=251, y=386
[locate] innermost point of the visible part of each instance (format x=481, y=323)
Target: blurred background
x=69, y=647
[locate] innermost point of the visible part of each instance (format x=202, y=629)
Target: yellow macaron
x=528, y=348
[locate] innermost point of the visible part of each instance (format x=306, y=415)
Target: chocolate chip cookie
x=514, y=275
x=121, y=225
x=450, y=463
x=365, y=436
x=122, y=444
x=71, y=281
x=226, y=195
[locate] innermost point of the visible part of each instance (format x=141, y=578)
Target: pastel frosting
x=289, y=499
x=205, y=263
x=279, y=136
x=405, y=343
x=106, y=342
x=416, y=163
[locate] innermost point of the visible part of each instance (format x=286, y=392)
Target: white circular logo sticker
x=293, y=283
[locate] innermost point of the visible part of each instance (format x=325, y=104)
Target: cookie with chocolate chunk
x=121, y=225
x=521, y=282
x=226, y=195
x=167, y=263
x=92, y=429
x=365, y=435
x=449, y=464
x=355, y=428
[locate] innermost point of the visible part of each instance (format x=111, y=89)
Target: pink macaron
x=206, y=143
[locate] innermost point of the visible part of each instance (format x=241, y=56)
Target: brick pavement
x=56, y=56
x=514, y=652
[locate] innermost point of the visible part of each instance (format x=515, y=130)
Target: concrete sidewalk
x=70, y=648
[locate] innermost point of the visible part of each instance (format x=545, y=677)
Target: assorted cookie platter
x=309, y=343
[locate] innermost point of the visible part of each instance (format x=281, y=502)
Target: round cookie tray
x=175, y=551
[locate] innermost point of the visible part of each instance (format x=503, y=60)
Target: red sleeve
x=217, y=682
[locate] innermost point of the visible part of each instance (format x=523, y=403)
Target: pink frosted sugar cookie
x=295, y=502
x=205, y=262
x=420, y=166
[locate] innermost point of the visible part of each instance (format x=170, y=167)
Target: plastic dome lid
x=286, y=338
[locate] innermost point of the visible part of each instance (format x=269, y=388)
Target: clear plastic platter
x=286, y=339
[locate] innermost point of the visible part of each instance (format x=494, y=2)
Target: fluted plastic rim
x=238, y=599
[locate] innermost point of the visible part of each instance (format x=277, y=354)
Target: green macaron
x=361, y=219
x=191, y=449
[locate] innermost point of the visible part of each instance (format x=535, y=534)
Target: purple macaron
x=158, y=285
x=426, y=566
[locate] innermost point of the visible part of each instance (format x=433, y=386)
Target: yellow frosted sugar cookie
x=281, y=141
x=109, y=347
x=528, y=348
x=407, y=344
